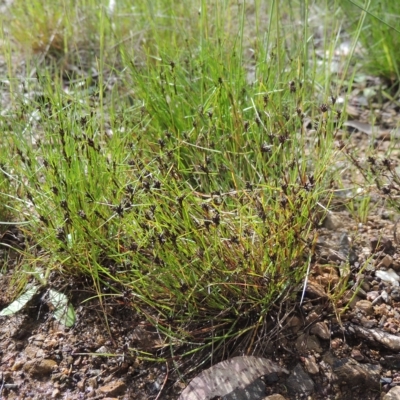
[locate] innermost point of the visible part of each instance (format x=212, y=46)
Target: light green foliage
x=20, y=303
x=63, y=311
x=378, y=25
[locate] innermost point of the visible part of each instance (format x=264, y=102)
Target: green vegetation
x=377, y=24
x=179, y=160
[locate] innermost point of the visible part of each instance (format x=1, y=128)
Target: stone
x=368, y=323
x=311, y=365
x=102, y=349
x=396, y=265
x=41, y=367
x=295, y=323
x=274, y=397
x=365, y=306
x=91, y=383
x=357, y=355
x=81, y=385
x=395, y=294
x=115, y=388
x=256, y=391
x=386, y=261
x=393, y=394
x=336, y=343
x=299, y=382
x=388, y=276
x=327, y=275
x=306, y=343
x=314, y=290
x=18, y=364
x=312, y=317
x=332, y=222
x=351, y=372
x=31, y=351
x=321, y=330
x=373, y=295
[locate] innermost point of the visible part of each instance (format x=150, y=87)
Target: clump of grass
x=61, y=36
x=196, y=191
x=377, y=25
x=381, y=175
x=40, y=28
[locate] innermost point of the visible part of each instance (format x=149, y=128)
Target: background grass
x=377, y=25
x=178, y=155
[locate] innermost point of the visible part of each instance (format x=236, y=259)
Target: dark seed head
x=324, y=107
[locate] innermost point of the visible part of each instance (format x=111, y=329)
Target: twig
x=305, y=281
x=395, y=231
x=163, y=385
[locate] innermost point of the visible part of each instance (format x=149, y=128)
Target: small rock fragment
x=315, y=290
x=386, y=262
x=396, y=265
x=32, y=351
x=274, y=397
x=299, y=382
x=388, y=276
x=393, y=394
x=92, y=383
x=113, y=389
x=357, y=355
x=295, y=323
x=332, y=222
x=336, y=343
x=385, y=296
x=40, y=367
x=368, y=323
x=349, y=371
x=371, y=296
x=311, y=365
x=102, y=349
x=376, y=335
x=312, y=316
x=365, y=306
x=321, y=330
x=395, y=294
x=306, y=343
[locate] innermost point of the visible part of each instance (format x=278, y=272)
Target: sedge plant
x=179, y=177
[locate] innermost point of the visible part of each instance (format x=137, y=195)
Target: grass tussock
x=184, y=166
